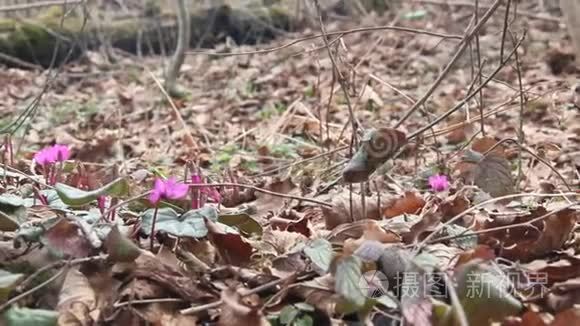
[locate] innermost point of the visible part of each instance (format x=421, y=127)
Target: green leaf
x=388, y=301
x=242, y=222
x=76, y=197
x=304, y=320
x=30, y=317
x=121, y=248
x=347, y=281
x=288, y=314
x=484, y=294
x=12, y=212
x=7, y=283
x=190, y=224
x=418, y=14
x=320, y=253
x=466, y=241
x=304, y=306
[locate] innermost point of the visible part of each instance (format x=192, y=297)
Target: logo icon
x=374, y=284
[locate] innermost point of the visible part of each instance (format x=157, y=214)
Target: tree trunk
x=571, y=10
x=183, y=38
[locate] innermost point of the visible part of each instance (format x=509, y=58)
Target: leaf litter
x=452, y=229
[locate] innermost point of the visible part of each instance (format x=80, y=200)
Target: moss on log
x=36, y=40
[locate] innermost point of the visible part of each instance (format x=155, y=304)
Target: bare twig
x=455, y=218
x=468, y=97
x=463, y=45
x=258, y=289
x=339, y=33
x=529, y=151
x=31, y=291
x=459, y=311
x=39, y=4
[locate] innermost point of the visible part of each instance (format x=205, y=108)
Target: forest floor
x=291, y=243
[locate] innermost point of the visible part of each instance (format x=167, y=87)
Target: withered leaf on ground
x=66, y=237
x=150, y=268
x=234, y=311
x=231, y=246
x=531, y=241
x=372, y=231
x=409, y=203
x=491, y=173
x=339, y=213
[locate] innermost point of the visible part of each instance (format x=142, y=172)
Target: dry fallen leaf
x=231, y=246
x=339, y=213
x=68, y=238
x=491, y=173
x=234, y=311
x=372, y=231
x=409, y=203
x=543, y=237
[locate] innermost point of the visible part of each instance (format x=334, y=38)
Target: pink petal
x=61, y=152
x=159, y=186
x=177, y=190
x=154, y=197
x=45, y=156
x=438, y=182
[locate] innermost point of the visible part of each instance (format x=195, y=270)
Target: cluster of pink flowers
x=438, y=182
x=47, y=157
x=52, y=154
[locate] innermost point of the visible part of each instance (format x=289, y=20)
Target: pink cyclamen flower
x=52, y=154
x=167, y=189
x=438, y=182
x=45, y=156
x=61, y=152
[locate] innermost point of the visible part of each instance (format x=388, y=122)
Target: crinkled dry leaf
x=319, y=292
x=339, y=213
x=483, y=144
x=491, y=173
x=282, y=241
x=567, y=318
x=231, y=246
x=234, y=311
x=543, y=237
x=409, y=203
x=266, y=203
x=66, y=237
x=372, y=231
x=76, y=300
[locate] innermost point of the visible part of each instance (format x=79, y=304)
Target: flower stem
x=152, y=239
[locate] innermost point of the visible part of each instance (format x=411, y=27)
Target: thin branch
x=339, y=33
x=31, y=291
x=468, y=97
x=216, y=304
x=39, y=4
x=455, y=218
x=466, y=233
x=463, y=45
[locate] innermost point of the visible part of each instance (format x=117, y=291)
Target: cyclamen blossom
x=62, y=152
x=168, y=189
x=439, y=182
x=208, y=191
x=52, y=154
